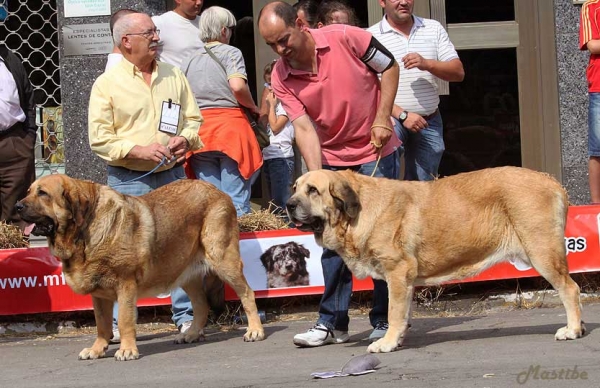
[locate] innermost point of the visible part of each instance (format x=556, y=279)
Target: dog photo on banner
x=280, y=263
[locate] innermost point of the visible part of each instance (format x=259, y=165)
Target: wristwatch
x=403, y=116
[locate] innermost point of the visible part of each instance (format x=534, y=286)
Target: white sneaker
x=320, y=335
x=185, y=326
x=116, y=336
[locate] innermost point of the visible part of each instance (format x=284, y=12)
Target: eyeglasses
x=147, y=34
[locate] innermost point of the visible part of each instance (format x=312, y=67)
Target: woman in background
x=231, y=155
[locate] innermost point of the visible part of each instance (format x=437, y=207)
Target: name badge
x=169, y=117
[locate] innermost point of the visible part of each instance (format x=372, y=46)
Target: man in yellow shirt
x=142, y=114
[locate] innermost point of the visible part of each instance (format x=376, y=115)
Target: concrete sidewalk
x=500, y=349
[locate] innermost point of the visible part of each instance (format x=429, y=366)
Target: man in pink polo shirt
x=328, y=84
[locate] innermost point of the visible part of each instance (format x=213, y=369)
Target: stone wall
x=572, y=89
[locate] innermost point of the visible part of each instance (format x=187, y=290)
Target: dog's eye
x=312, y=190
x=42, y=193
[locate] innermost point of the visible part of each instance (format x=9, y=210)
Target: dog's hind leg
x=195, y=290
x=551, y=263
x=400, y=285
x=539, y=225
x=103, y=315
x=230, y=268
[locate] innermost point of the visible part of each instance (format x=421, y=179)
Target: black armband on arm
x=377, y=57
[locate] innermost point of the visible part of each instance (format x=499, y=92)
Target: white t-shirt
x=179, y=37
x=281, y=144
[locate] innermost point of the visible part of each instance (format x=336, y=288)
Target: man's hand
x=412, y=60
x=178, y=147
x=174, y=151
x=381, y=133
x=415, y=122
x=451, y=71
x=154, y=152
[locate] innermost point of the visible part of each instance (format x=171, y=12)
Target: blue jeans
x=279, y=173
x=182, y=306
x=422, y=150
x=594, y=125
x=333, y=309
x=219, y=169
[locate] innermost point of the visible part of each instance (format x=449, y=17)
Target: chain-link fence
x=30, y=29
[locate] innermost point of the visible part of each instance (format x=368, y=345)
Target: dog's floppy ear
x=302, y=249
x=79, y=197
x=267, y=259
x=345, y=197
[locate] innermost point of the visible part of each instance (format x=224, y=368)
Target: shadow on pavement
x=430, y=331
x=148, y=347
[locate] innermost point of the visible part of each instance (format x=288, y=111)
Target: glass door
x=481, y=114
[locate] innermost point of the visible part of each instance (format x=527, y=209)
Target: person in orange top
x=589, y=39
x=231, y=156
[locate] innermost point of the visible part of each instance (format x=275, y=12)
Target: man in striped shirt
x=589, y=39
x=424, y=52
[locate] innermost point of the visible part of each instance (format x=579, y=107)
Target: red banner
x=31, y=280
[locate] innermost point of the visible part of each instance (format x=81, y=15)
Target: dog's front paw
x=190, y=337
x=254, y=335
x=382, y=346
x=127, y=354
x=97, y=350
x=91, y=354
x=567, y=333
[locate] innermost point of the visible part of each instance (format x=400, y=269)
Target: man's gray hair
x=212, y=20
x=118, y=15
x=123, y=26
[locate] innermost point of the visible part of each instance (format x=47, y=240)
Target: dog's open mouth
x=42, y=228
x=314, y=225
x=302, y=219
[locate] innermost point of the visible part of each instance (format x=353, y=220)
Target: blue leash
x=162, y=163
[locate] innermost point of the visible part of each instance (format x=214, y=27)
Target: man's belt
x=428, y=117
x=18, y=125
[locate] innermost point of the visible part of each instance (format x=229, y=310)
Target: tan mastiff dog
x=426, y=233
x=122, y=248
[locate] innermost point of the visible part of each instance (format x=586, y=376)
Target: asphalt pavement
x=500, y=349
